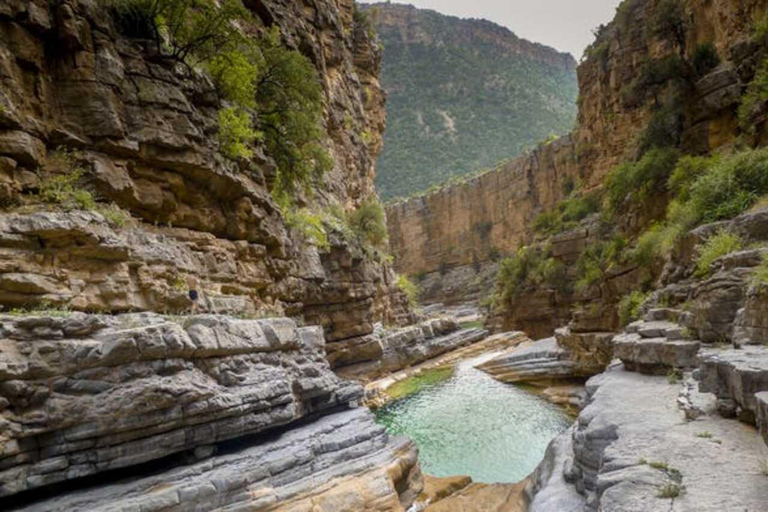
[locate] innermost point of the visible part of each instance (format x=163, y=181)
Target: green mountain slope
x=463, y=95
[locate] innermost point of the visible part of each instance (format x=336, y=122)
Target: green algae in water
x=471, y=424
x=423, y=380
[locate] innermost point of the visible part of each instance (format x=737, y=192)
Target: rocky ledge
x=252, y=405
x=621, y=457
x=339, y=462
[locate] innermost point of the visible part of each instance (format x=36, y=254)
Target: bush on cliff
x=369, y=222
x=755, y=97
x=705, y=58
x=718, y=245
x=706, y=189
x=594, y=264
x=566, y=215
x=630, y=306
x=529, y=266
x=638, y=181
x=408, y=288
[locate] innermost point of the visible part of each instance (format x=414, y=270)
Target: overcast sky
x=563, y=24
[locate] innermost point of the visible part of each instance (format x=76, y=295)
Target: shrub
x=309, y=224
x=705, y=58
x=59, y=184
x=529, y=266
x=369, y=222
x=629, y=307
x=235, y=73
x=116, y=217
x=664, y=129
x=236, y=133
x=760, y=27
x=730, y=186
x=597, y=260
x=408, y=288
x=638, y=181
x=669, y=21
x=658, y=72
x=754, y=97
x=719, y=244
x=566, y=215
x=655, y=243
x=182, y=29
x=290, y=104
x=760, y=274
x=687, y=171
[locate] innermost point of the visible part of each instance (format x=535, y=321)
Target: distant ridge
x=463, y=94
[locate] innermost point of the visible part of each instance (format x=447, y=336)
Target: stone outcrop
x=621, y=457
x=387, y=351
x=85, y=395
x=656, y=344
x=736, y=377
x=340, y=462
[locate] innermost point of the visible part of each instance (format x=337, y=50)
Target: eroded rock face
x=146, y=131
x=625, y=457
x=83, y=394
x=342, y=462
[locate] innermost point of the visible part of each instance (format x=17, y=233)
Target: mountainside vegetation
x=463, y=95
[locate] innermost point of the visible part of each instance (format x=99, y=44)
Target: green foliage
x=705, y=58
x=183, y=29
x=669, y=491
x=719, y=244
x=439, y=126
x=290, y=104
x=530, y=266
x=641, y=180
x=754, y=98
x=760, y=274
x=304, y=221
x=664, y=129
x=659, y=72
x=729, y=186
x=236, y=133
x=235, y=73
x=566, y=215
x=408, y=288
x=597, y=260
x=369, y=222
x=668, y=21
x=655, y=243
x=760, y=27
x=629, y=307
x=116, y=217
x=59, y=183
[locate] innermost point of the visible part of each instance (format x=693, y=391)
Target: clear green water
x=473, y=425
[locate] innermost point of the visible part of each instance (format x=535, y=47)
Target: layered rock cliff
x=460, y=229
x=130, y=342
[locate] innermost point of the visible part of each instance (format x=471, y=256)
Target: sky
x=563, y=24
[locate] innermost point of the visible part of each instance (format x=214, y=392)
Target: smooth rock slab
x=341, y=462
x=83, y=394
x=631, y=439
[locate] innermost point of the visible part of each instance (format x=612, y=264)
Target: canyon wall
x=109, y=367
x=145, y=133
x=452, y=235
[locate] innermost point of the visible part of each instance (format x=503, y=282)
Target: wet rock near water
x=387, y=351
x=342, y=461
x=84, y=394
